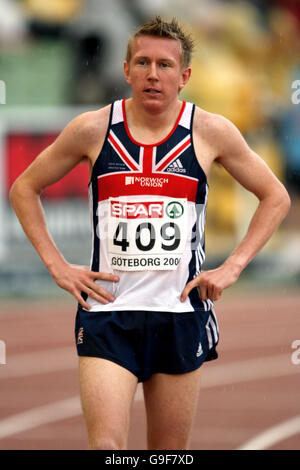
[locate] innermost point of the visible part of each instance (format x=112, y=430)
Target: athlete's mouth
x=152, y=90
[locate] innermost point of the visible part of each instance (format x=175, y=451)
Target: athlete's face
x=154, y=72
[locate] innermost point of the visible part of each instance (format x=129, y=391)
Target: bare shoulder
x=215, y=137
x=231, y=150
x=92, y=125
x=84, y=135
x=214, y=128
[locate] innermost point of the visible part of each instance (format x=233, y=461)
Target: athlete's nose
x=153, y=75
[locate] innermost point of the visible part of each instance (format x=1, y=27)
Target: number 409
x=120, y=236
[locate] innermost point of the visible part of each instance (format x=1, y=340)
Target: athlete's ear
x=126, y=72
x=185, y=76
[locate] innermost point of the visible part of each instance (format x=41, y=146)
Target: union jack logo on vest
x=80, y=336
x=146, y=165
x=148, y=171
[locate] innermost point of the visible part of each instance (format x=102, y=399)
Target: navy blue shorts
x=148, y=342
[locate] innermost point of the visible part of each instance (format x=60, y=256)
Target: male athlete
x=145, y=310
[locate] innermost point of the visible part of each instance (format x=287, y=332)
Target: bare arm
x=274, y=202
x=77, y=141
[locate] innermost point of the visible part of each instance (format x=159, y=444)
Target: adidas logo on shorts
x=200, y=350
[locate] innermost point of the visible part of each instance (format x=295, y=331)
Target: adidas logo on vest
x=176, y=167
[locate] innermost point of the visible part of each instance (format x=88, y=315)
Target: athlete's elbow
x=14, y=193
x=288, y=201
x=285, y=201
x=282, y=201
x=19, y=191
x=286, y=207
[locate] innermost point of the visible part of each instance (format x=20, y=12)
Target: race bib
x=147, y=234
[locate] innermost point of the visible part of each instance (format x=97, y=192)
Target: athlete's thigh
x=106, y=391
x=171, y=401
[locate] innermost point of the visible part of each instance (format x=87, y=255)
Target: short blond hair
x=157, y=27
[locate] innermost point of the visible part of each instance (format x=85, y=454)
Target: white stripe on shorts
x=209, y=336
x=214, y=317
x=212, y=331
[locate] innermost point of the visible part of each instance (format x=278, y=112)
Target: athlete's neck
x=150, y=126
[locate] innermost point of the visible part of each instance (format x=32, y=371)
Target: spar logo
x=174, y=210
x=136, y=210
x=145, y=181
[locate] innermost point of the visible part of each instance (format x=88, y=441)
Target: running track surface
x=249, y=397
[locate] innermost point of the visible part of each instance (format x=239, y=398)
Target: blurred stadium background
x=58, y=59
